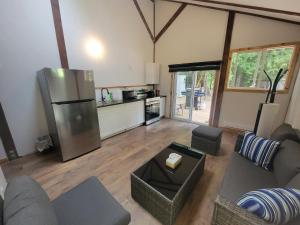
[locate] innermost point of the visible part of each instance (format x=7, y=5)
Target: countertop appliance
x=152, y=110
x=128, y=95
x=70, y=106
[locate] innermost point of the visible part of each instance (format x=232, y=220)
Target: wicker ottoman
x=207, y=139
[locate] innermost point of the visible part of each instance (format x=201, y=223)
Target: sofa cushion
x=284, y=132
x=259, y=150
x=243, y=176
x=287, y=162
x=294, y=182
x=27, y=203
x=89, y=204
x=211, y=133
x=1, y=210
x=274, y=205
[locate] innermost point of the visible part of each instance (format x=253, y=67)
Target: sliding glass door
x=193, y=95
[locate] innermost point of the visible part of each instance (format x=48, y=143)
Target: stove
x=152, y=110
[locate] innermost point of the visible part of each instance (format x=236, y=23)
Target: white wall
x=293, y=115
x=27, y=44
x=118, y=26
x=2, y=151
x=189, y=39
x=239, y=109
x=3, y=183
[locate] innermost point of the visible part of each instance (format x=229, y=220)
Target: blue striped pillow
x=275, y=205
x=259, y=150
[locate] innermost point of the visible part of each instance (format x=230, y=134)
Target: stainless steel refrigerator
x=70, y=106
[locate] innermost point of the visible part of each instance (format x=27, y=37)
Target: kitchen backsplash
x=117, y=92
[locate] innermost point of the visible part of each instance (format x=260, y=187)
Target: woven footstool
x=207, y=139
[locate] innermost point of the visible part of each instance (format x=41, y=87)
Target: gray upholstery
x=207, y=139
x=89, y=204
x=294, y=182
x=211, y=133
x=296, y=221
x=285, y=132
x=239, y=142
x=27, y=203
x=1, y=210
x=243, y=176
x=287, y=162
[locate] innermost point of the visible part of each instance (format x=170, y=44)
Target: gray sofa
x=243, y=176
x=25, y=202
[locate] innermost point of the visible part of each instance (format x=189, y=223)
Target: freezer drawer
x=69, y=85
x=77, y=128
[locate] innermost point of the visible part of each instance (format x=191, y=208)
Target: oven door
x=152, y=112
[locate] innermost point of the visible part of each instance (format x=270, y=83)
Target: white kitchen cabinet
x=115, y=119
x=152, y=73
x=162, y=106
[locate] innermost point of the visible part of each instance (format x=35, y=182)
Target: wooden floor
x=121, y=155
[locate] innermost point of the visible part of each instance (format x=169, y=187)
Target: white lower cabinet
x=115, y=119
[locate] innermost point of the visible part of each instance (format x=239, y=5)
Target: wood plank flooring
x=121, y=155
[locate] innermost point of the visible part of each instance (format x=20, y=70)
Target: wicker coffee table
x=163, y=191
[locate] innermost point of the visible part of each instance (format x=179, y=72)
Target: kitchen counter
x=116, y=102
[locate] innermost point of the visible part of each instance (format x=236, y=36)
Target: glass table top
x=164, y=179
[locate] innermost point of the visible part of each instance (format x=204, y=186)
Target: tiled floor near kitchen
x=121, y=155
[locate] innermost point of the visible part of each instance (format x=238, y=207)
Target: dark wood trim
x=143, y=19
x=154, y=30
x=6, y=137
x=291, y=13
x=171, y=20
x=59, y=34
x=239, y=12
x=222, y=78
x=213, y=100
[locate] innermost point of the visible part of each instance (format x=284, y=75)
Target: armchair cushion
x=27, y=203
x=89, y=204
x=284, y=132
x=243, y=176
x=287, y=162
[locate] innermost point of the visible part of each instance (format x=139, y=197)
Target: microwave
x=128, y=95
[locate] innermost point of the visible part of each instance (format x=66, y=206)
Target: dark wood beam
x=59, y=34
x=171, y=20
x=143, y=19
x=269, y=17
x=238, y=11
x=154, y=30
x=225, y=59
x=6, y=137
x=250, y=7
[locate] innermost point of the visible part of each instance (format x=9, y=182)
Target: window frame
x=293, y=62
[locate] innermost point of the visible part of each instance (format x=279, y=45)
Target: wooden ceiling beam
x=143, y=19
x=238, y=12
x=171, y=20
x=222, y=78
x=250, y=7
x=59, y=34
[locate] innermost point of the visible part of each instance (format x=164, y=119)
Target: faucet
x=102, y=97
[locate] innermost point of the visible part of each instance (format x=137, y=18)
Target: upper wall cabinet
x=152, y=73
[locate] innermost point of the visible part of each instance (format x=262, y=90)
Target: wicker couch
x=243, y=176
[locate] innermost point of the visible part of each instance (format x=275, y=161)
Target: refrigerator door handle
x=71, y=102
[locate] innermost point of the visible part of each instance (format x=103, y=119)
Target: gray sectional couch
x=26, y=203
x=243, y=176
